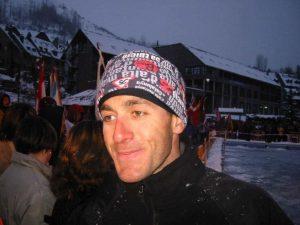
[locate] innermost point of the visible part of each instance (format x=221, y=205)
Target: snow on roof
x=45, y=48
x=290, y=80
x=297, y=97
x=85, y=98
x=22, y=98
x=212, y=60
x=5, y=77
x=111, y=45
x=231, y=110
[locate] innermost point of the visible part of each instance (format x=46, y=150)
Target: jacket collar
x=31, y=162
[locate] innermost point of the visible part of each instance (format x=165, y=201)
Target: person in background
x=4, y=105
x=141, y=100
x=25, y=195
x=13, y=117
x=49, y=110
x=74, y=115
x=80, y=171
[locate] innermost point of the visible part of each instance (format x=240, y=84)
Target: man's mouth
x=129, y=155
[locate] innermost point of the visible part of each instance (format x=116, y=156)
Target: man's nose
x=122, y=131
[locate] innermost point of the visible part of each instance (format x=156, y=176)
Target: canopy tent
x=85, y=98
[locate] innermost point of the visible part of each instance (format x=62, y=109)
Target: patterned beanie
x=146, y=75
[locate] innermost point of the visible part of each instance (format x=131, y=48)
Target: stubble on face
x=138, y=135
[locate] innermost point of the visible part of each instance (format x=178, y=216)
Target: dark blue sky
x=235, y=29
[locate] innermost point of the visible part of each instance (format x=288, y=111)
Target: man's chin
x=130, y=177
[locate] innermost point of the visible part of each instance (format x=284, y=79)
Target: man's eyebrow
x=133, y=102
x=128, y=103
x=105, y=107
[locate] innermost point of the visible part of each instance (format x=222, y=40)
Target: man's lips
x=130, y=154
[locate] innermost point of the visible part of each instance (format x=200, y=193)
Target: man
x=25, y=195
x=141, y=101
x=4, y=105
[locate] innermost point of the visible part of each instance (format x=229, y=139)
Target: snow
x=111, y=45
x=289, y=80
x=269, y=116
x=274, y=169
x=85, y=98
x=212, y=60
x=5, y=77
x=33, y=45
x=214, y=160
x=296, y=97
x=231, y=110
x=22, y=98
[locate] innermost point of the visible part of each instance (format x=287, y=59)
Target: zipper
x=150, y=208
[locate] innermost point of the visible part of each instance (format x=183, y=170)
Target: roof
x=32, y=44
x=231, y=110
x=112, y=45
x=5, y=77
x=215, y=61
x=85, y=98
x=290, y=80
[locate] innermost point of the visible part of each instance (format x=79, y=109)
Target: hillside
x=56, y=19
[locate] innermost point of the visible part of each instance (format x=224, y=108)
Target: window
x=242, y=92
x=226, y=89
x=188, y=82
x=198, y=83
x=249, y=94
x=218, y=88
x=234, y=91
x=255, y=94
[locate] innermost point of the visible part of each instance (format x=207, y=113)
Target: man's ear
x=177, y=124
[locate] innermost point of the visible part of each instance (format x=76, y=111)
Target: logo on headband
x=122, y=83
x=146, y=65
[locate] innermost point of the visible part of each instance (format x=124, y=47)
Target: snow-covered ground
x=274, y=168
x=214, y=159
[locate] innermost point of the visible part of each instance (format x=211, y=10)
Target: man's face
x=139, y=136
x=6, y=101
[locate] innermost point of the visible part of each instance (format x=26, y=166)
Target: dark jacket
x=186, y=192
x=85, y=208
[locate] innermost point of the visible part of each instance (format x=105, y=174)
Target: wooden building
x=81, y=57
x=19, y=51
x=223, y=82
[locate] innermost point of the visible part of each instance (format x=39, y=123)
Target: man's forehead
x=124, y=100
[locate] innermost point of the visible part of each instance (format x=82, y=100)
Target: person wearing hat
x=141, y=101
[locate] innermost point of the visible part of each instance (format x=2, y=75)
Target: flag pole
x=100, y=63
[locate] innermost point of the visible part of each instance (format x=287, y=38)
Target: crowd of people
x=58, y=168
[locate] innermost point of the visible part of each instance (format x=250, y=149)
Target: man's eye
x=108, y=118
x=138, y=113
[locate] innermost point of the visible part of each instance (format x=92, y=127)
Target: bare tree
x=261, y=62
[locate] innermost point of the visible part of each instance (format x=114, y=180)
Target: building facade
x=224, y=83
x=81, y=57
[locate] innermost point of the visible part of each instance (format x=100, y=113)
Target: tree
x=298, y=71
x=287, y=70
x=261, y=62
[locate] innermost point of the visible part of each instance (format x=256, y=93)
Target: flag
x=41, y=91
x=229, y=122
x=218, y=115
x=100, y=64
x=202, y=109
x=55, y=92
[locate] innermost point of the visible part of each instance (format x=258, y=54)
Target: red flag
x=218, y=115
x=41, y=91
x=55, y=92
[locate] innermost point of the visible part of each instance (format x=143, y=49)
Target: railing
x=205, y=146
x=260, y=136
